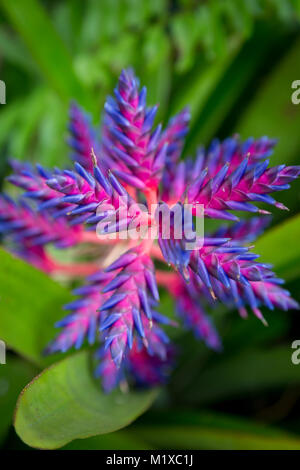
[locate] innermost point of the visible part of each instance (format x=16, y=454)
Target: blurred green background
x=233, y=62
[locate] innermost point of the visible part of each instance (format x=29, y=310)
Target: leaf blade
x=64, y=403
x=30, y=303
x=280, y=245
x=250, y=371
x=50, y=53
x=13, y=376
x=211, y=431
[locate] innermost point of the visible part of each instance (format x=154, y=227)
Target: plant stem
x=93, y=237
x=165, y=278
x=76, y=269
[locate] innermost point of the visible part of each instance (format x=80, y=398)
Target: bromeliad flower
x=117, y=207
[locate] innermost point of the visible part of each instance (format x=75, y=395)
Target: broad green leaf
x=211, y=31
x=13, y=51
x=249, y=371
x=65, y=403
x=280, y=246
x=51, y=148
x=236, y=335
x=209, y=430
x=9, y=116
x=32, y=112
x=272, y=112
x=68, y=18
x=46, y=46
x=121, y=440
x=240, y=334
x=284, y=9
x=237, y=77
x=14, y=375
x=195, y=89
x=30, y=303
x=184, y=33
x=137, y=13
x=240, y=15
x=156, y=51
x=101, y=22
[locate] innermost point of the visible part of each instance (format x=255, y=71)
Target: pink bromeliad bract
x=130, y=160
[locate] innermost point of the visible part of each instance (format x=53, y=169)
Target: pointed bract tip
x=94, y=158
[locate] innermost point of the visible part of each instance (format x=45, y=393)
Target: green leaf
x=14, y=375
x=184, y=31
x=209, y=430
x=46, y=46
x=194, y=89
x=235, y=80
x=237, y=335
x=30, y=304
x=280, y=245
x=8, y=118
x=14, y=51
x=65, y=403
x=32, y=111
x=121, y=440
x=240, y=334
x=157, y=79
x=272, y=112
x=68, y=18
x=249, y=371
x=51, y=149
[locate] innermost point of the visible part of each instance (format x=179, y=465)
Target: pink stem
x=151, y=198
x=76, y=269
x=93, y=237
x=166, y=279
x=131, y=191
x=155, y=251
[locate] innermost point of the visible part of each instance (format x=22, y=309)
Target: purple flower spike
x=141, y=367
x=237, y=184
x=193, y=314
x=34, y=255
x=28, y=228
x=129, y=140
x=128, y=310
x=245, y=231
x=134, y=162
x=234, y=151
x=174, y=135
x=34, y=182
x=111, y=376
x=96, y=199
x=84, y=320
x=82, y=138
x=255, y=294
x=228, y=262
x=150, y=370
